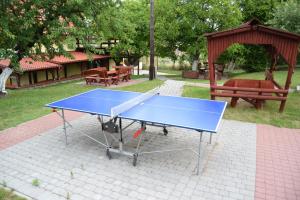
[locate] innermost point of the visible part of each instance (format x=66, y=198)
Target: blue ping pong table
x=148, y=108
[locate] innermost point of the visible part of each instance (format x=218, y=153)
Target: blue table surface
x=191, y=113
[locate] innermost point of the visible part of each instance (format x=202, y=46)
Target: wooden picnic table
x=101, y=74
x=249, y=83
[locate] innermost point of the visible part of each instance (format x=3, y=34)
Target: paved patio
x=244, y=161
x=82, y=171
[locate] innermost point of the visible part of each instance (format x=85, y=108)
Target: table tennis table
x=148, y=108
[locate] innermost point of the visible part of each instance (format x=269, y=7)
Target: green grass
x=245, y=112
x=177, y=75
x=279, y=76
x=9, y=195
x=139, y=76
x=26, y=104
x=195, y=92
x=35, y=182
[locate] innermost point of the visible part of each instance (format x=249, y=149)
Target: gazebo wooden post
x=287, y=86
x=212, y=78
x=211, y=68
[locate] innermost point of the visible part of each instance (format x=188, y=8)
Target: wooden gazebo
x=277, y=42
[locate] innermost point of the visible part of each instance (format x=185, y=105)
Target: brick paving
x=244, y=161
x=82, y=171
x=32, y=128
x=278, y=163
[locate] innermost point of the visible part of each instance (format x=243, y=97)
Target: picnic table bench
x=256, y=98
x=102, y=75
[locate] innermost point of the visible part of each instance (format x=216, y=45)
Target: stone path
x=172, y=88
x=245, y=161
x=82, y=171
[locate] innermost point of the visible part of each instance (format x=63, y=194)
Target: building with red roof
x=80, y=61
x=59, y=68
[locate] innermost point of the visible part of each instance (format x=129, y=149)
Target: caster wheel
x=134, y=159
x=108, y=154
x=165, y=131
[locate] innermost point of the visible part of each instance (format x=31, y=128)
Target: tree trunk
x=3, y=78
x=151, y=68
x=195, y=64
x=173, y=65
x=231, y=65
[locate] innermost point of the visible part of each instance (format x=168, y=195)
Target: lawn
x=246, y=112
x=27, y=104
x=9, y=195
x=279, y=76
x=177, y=75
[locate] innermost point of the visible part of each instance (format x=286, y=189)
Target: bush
x=255, y=58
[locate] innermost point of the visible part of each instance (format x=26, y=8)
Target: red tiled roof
x=4, y=63
x=77, y=57
x=28, y=64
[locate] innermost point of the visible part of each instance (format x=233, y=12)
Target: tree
x=190, y=20
x=39, y=28
x=151, y=25
x=166, y=29
x=286, y=16
x=129, y=23
x=262, y=10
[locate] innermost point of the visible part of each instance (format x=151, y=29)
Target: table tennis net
x=115, y=111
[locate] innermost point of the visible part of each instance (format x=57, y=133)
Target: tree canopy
x=43, y=27
x=37, y=27
x=287, y=16
x=129, y=23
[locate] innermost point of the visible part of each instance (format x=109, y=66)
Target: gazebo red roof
x=77, y=57
x=28, y=64
x=253, y=32
x=277, y=42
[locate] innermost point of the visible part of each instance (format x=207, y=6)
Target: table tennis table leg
x=121, y=135
x=100, y=119
x=64, y=125
x=199, y=153
x=136, y=154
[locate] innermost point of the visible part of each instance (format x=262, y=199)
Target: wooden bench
x=124, y=72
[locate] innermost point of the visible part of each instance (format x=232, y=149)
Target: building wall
x=24, y=79
x=11, y=82
x=73, y=69
x=41, y=76
x=61, y=73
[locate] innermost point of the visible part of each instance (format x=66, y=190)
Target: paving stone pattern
x=172, y=88
x=81, y=170
x=278, y=163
